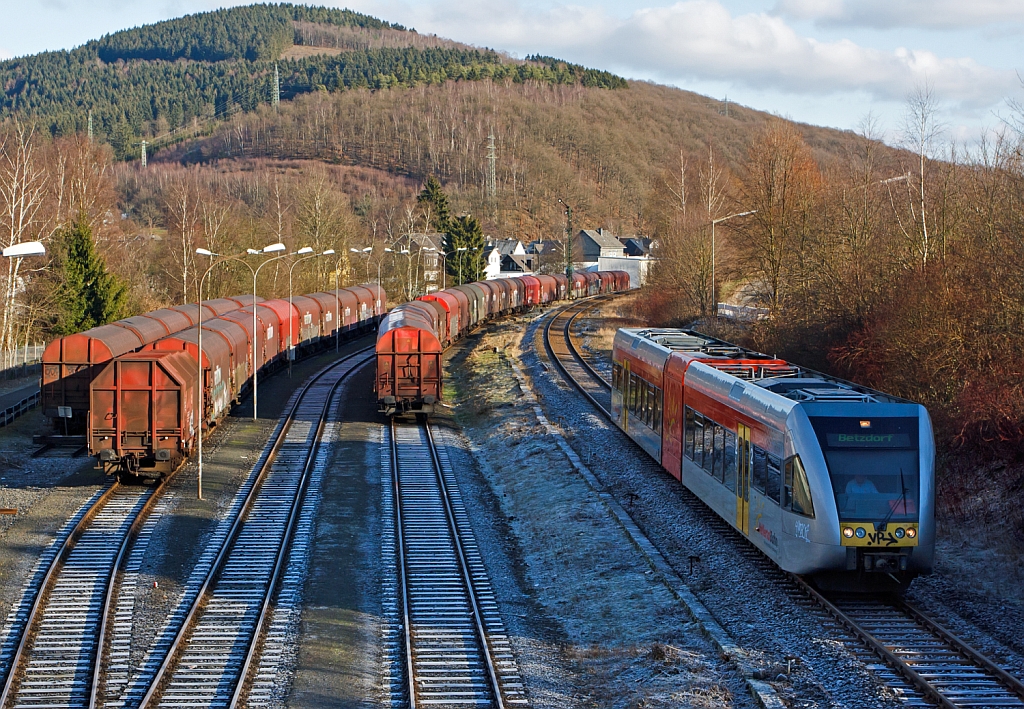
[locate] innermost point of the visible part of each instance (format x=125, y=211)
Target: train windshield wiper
x=903, y=500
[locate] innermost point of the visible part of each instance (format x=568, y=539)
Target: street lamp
x=273, y=248
x=714, y=297
x=19, y=252
x=307, y=253
x=365, y=252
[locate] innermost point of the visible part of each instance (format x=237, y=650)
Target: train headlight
x=848, y=532
x=911, y=532
x=860, y=533
x=900, y=532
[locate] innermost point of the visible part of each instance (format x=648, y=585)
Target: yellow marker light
x=865, y=424
x=848, y=532
x=911, y=532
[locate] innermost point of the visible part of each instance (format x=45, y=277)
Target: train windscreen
x=874, y=466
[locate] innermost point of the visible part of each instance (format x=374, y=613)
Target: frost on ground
x=629, y=640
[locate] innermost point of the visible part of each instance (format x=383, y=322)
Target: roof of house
x=602, y=238
x=516, y=262
x=504, y=246
x=423, y=241
x=637, y=246
x=546, y=246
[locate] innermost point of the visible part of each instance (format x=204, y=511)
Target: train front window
x=873, y=464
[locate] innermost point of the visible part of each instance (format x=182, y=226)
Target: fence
x=18, y=362
x=12, y=412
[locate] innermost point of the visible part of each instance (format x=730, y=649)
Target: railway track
x=213, y=653
x=570, y=360
x=456, y=649
x=924, y=663
x=58, y=658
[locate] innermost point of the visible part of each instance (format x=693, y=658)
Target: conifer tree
x=464, y=233
x=435, y=198
x=89, y=295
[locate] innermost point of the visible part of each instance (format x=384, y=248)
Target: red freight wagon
x=477, y=302
x=218, y=363
x=143, y=418
x=366, y=299
x=505, y=289
x=284, y=313
x=562, y=287
x=71, y=362
x=328, y=312
x=244, y=319
x=173, y=320
x=408, y=361
x=448, y=301
x=548, y=288
x=532, y=293
x=145, y=327
x=309, y=320
x=607, y=282
x=493, y=296
x=380, y=298
x=593, y=283
x=579, y=285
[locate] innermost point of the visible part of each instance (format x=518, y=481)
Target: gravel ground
x=590, y=623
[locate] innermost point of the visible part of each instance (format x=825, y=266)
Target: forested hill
x=144, y=82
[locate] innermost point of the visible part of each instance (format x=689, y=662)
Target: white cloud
x=887, y=14
x=699, y=40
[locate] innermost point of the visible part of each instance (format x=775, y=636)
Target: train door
x=743, y=478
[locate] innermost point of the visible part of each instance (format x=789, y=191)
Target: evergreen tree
x=88, y=295
x=435, y=198
x=466, y=265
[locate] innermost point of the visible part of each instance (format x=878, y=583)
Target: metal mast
x=492, y=183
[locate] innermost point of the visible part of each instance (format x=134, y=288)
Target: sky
x=838, y=63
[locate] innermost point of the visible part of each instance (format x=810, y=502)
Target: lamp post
x=714, y=297
x=365, y=252
x=567, y=244
x=291, y=333
x=19, y=252
x=199, y=342
x=273, y=248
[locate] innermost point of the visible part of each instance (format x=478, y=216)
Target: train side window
x=650, y=405
x=797, y=491
x=759, y=470
x=688, y=433
x=698, y=439
x=774, y=478
x=616, y=373
x=632, y=393
x=719, y=468
x=709, y=443
x=730, y=460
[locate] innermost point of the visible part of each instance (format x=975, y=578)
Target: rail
x=456, y=647
x=241, y=571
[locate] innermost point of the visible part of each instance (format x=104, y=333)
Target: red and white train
x=826, y=477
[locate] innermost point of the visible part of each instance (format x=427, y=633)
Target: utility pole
x=492, y=183
x=567, y=245
x=144, y=154
x=275, y=99
x=90, y=125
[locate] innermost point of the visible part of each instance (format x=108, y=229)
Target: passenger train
x=828, y=478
